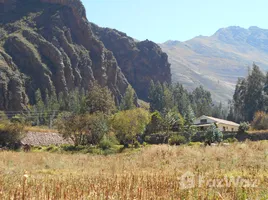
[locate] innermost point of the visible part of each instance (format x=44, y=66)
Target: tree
x=128, y=101
x=11, y=133
x=168, y=101
x=83, y=129
x=250, y=95
x=3, y=116
x=181, y=98
x=39, y=108
x=173, y=120
x=202, y=101
x=190, y=130
x=254, y=98
x=155, y=124
x=128, y=124
x=213, y=134
x=219, y=111
x=100, y=99
x=260, y=121
x=156, y=95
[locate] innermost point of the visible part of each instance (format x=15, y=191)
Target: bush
x=243, y=128
x=73, y=148
x=105, y=143
x=194, y=143
x=213, y=134
x=136, y=144
x=11, y=133
x=84, y=129
x=157, y=138
x=52, y=148
x=177, y=140
x=230, y=140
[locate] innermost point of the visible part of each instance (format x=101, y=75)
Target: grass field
x=153, y=172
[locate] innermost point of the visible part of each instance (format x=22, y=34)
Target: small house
x=203, y=122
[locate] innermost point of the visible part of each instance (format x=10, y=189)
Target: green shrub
x=243, y=128
x=177, y=140
x=213, y=134
x=136, y=144
x=105, y=143
x=230, y=140
x=11, y=133
x=52, y=148
x=194, y=143
x=73, y=148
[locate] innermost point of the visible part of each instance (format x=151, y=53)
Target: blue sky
x=162, y=20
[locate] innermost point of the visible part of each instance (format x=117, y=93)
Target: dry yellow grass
x=152, y=173
x=257, y=131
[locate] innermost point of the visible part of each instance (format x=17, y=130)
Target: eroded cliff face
x=140, y=62
x=50, y=45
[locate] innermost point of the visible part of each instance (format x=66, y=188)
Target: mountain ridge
x=217, y=61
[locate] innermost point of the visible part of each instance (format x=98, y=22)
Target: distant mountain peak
x=254, y=28
x=172, y=42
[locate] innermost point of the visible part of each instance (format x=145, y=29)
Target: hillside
x=217, y=61
x=50, y=45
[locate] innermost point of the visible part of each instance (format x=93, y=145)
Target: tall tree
x=128, y=101
x=156, y=97
x=202, y=100
x=254, y=97
x=100, y=99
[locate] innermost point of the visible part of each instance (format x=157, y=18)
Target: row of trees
x=89, y=117
x=251, y=96
x=163, y=98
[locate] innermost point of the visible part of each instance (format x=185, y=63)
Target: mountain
x=50, y=45
x=217, y=61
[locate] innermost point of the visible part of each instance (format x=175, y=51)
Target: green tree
x=213, y=134
x=128, y=101
x=168, y=101
x=250, y=95
x=156, y=95
x=181, y=98
x=156, y=123
x=39, y=108
x=190, y=130
x=128, y=124
x=254, y=98
x=202, y=101
x=11, y=133
x=83, y=129
x=100, y=99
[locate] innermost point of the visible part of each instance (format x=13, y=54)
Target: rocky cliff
x=141, y=62
x=50, y=45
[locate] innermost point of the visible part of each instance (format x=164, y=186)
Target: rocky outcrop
x=50, y=45
x=140, y=62
x=51, y=48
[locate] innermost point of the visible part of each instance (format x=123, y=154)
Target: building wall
x=222, y=127
x=227, y=127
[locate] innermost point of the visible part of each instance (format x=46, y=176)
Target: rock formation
x=141, y=62
x=50, y=45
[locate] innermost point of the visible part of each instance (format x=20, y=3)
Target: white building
x=204, y=122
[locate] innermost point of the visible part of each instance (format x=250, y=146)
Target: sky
x=162, y=20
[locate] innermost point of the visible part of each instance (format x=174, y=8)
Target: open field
x=153, y=172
